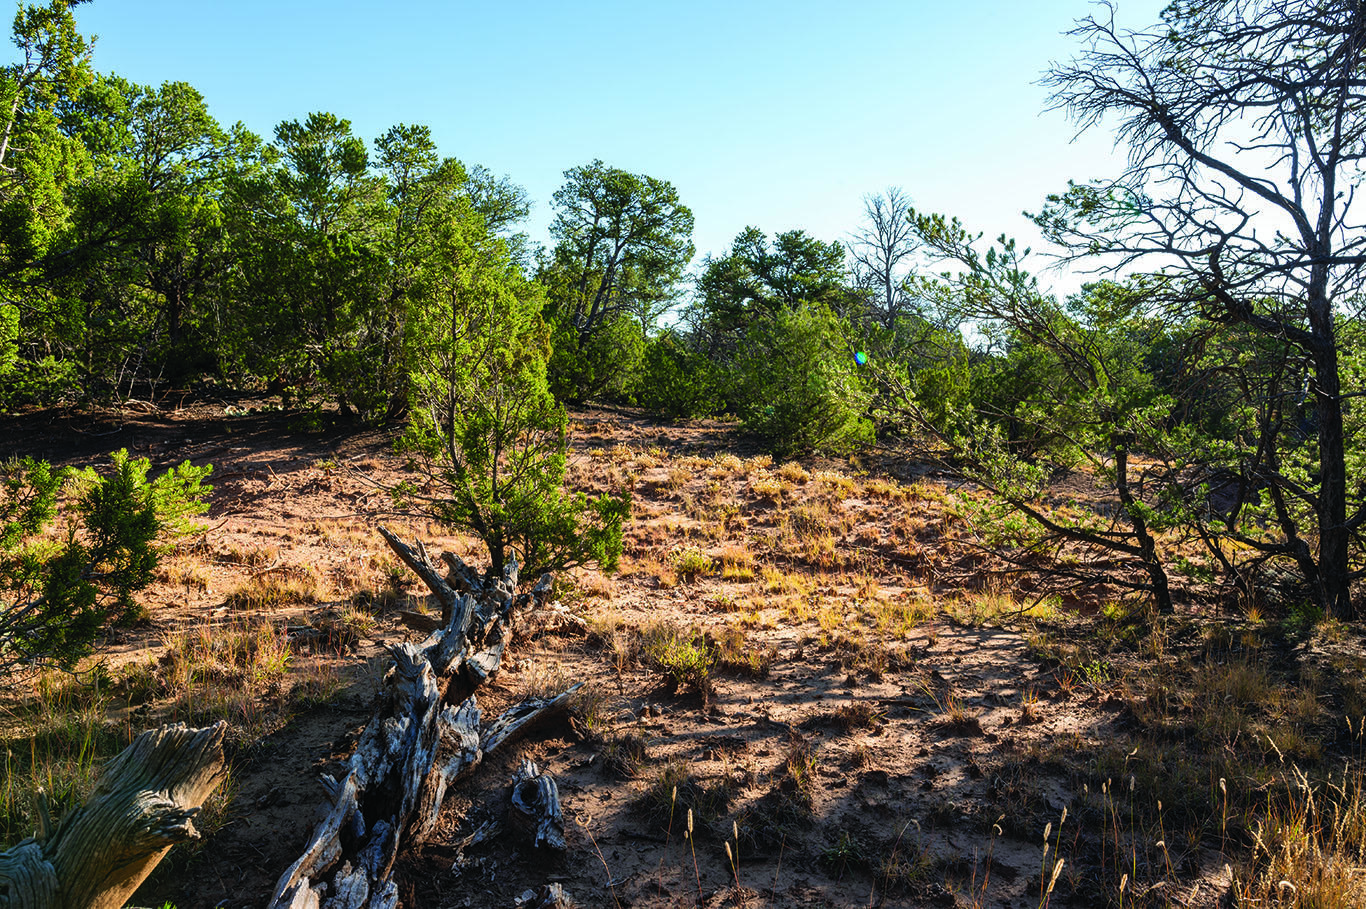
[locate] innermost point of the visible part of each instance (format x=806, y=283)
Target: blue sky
x=777, y=114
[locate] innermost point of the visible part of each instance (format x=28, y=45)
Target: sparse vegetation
x=683, y=658
x=906, y=536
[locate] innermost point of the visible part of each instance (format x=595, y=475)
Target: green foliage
x=59, y=589
x=676, y=381
x=622, y=242
x=758, y=276
x=691, y=563
x=797, y=386
x=604, y=364
x=684, y=659
x=1064, y=387
x=490, y=435
x=24, y=381
x=9, y=337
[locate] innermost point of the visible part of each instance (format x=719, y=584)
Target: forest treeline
x=1208, y=381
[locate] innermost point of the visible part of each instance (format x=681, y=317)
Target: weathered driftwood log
x=535, y=809
x=144, y=803
x=393, y=786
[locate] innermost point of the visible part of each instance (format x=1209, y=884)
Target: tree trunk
x=1152, y=564
x=1334, y=535
x=144, y=803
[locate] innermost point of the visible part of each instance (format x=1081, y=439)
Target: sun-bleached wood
x=144, y=803
x=424, y=736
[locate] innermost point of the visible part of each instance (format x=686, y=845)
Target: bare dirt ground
x=883, y=720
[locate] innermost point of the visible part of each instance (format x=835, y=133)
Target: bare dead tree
x=880, y=250
x=1245, y=134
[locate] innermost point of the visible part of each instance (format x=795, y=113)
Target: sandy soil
x=889, y=752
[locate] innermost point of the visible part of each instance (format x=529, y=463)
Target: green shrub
x=691, y=563
x=684, y=659
x=492, y=439
x=605, y=366
x=45, y=381
x=797, y=385
x=676, y=382
x=57, y=591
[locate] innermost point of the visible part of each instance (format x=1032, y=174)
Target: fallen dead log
x=468, y=746
x=424, y=735
x=144, y=803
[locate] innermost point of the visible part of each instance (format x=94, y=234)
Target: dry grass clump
x=250, y=556
x=593, y=585
x=996, y=604
x=956, y=717
x=345, y=532
x=874, y=658
x=858, y=715
x=812, y=519
x=676, y=791
x=834, y=485
x=777, y=581
x=726, y=465
x=624, y=756
x=278, y=589
x=898, y=618
x=690, y=563
x=650, y=566
x=59, y=734
x=886, y=490
x=676, y=478
x=684, y=659
x=621, y=641
x=247, y=673
x=737, y=562
x=737, y=655
x=543, y=680
x=1309, y=850
x=764, y=485
x=793, y=472
x=56, y=740
x=186, y=573
x=233, y=654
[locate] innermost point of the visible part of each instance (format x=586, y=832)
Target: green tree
x=307, y=245
x=757, y=279
x=1062, y=387
x=39, y=162
x=677, y=381
x=487, y=430
x=140, y=279
x=797, y=385
x=37, y=159
x=1253, y=234
x=57, y=593
x=622, y=243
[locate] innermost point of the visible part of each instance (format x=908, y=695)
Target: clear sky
x=777, y=114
